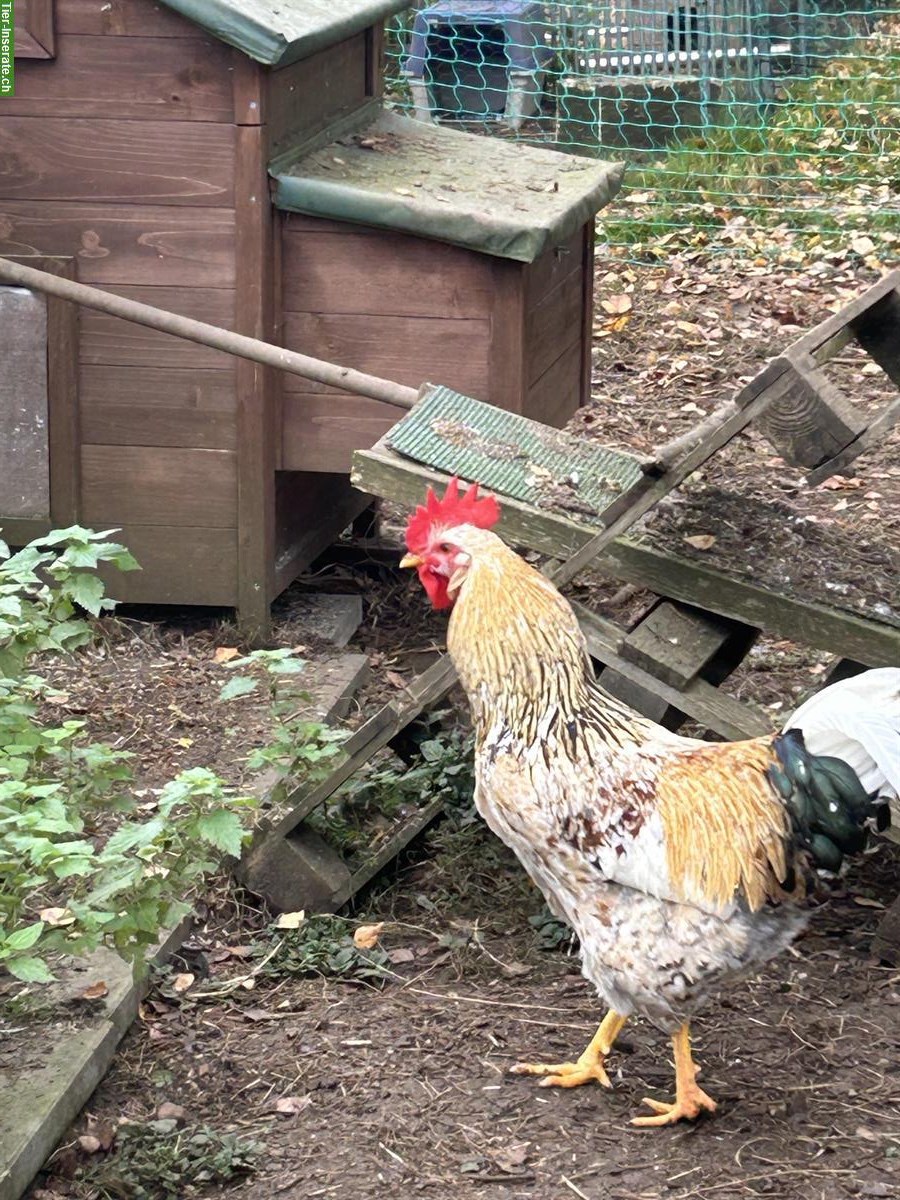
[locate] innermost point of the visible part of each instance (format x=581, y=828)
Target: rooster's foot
x=590, y=1066
x=567, y=1074
x=687, y=1107
x=690, y=1100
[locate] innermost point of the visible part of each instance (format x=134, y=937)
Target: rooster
x=679, y=863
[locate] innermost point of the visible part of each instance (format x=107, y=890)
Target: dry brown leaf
x=401, y=955
x=96, y=991
x=618, y=324
x=396, y=679
x=511, y=1158
x=866, y=902
x=616, y=305
x=367, y=936
x=239, y=951
x=291, y=920
x=289, y=1106
x=225, y=654
x=183, y=981
x=701, y=541
x=56, y=916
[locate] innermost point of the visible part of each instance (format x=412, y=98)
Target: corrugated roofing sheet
x=392, y=172
x=513, y=456
x=280, y=31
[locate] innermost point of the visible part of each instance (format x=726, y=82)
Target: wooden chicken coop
x=230, y=161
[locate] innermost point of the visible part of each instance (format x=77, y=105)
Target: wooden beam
x=871, y=436
x=809, y=420
x=717, y=711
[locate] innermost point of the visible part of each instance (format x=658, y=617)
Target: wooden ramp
x=576, y=503
x=579, y=504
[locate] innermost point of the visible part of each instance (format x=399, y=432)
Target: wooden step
x=809, y=420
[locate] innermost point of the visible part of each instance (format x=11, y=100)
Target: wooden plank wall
x=558, y=303
x=417, y=310
x=394, y=305
x=120, y=153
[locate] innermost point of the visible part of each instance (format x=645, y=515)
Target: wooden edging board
x=40, y=1105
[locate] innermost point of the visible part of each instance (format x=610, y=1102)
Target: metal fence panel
x=739, y=118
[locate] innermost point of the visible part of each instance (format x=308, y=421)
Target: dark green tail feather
x=829, y=806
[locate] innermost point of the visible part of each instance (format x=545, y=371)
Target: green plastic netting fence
x=742, y=123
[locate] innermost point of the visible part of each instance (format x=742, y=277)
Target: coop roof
x=393, y=172
x=282, y=31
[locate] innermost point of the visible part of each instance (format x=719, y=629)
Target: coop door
x=24, y=407
x=34, y=29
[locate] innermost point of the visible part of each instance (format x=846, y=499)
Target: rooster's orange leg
x=690, y=1100
x=590, y=1066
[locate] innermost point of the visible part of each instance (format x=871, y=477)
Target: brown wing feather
x=726, y=830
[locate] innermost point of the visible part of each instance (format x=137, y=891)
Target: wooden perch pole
x=18, y=275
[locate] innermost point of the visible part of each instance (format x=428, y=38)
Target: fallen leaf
x=865, y=902
x=367, y=936
x=183, y=981
x=225, y=654
x=401, y=955
x=103, y=1131
x=397, y=680
x=616, y=305
x=291, y=920
x=289, y=1106
x=96, y=991
x=56, y=916
x=701, y=541
x=512, y=1157
x=256, y=1014
x=516, y=968
x=90, y=1144
x=862, y=246
x=239, y=951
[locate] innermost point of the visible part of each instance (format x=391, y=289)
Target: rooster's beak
x=411, y=560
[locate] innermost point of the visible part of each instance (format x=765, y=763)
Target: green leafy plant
x=323, y=945
x=64, y=886
x=299, y=748
x=157, y=1160
x=437, y=765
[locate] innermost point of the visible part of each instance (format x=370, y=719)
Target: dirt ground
x=394, y=1081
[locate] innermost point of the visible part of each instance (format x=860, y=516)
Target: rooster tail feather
x=829, y=808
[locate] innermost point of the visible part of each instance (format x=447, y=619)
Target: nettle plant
x=63, y=886
x=299, y=748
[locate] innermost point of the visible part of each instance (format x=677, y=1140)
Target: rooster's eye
x=445, y=547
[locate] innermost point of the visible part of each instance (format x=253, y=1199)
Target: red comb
x=453, y=509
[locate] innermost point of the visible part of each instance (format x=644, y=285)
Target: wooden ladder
x=809, y=420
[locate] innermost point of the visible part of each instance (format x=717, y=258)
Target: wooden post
x=255, y=383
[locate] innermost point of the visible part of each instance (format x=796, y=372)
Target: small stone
x=168, y=1111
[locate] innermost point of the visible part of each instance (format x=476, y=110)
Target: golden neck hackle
x=514, y=641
